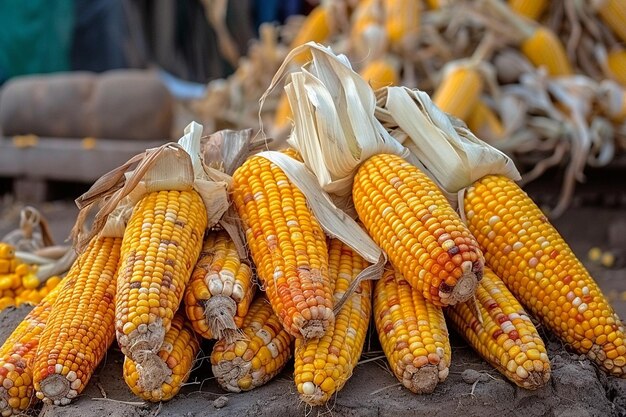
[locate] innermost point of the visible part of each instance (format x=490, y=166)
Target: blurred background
x=85, y=85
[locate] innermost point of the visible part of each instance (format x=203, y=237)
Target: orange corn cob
x=17, y=356
x=258, y=356
x=410, y=219
x=535, y=263
x=80, y=328
x=543, y=48
x=402, y=23
x=287, y=245
x=323, y=366
x=412, y=332
x=161, y=377
x=161, y=246
x=316, y=27
x=220, y=290
x=613, y=13
x=616, y=63
x=506, y=338
x=380, y=73
x=484, y=123
x=532, y=9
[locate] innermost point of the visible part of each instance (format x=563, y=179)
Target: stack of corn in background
x=163, y=267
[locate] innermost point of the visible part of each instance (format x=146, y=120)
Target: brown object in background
x=118, y=104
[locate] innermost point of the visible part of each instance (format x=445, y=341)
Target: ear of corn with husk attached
x=540, y=269
x=287, y=245
x=426, y=241
x=323, y=366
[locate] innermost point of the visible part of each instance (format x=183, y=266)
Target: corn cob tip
x=57, y=389
x=147, y=339
x=466, y=285
x=152, y=372
x=423, y=380
x=313, y=329
x=220, y=314
x=615, y=366
x=229, y=372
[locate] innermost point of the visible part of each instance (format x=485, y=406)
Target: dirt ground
x=576, y=389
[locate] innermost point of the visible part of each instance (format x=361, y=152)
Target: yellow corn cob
x=402, y=23
x=380, y=73
x=536, y=264
x=161, y=376
x=257, y=357
x=616, y=62
x=506, y=338
x=160, y=248
x=412, y=332
x=316, y=27
x=436, y=4
x=80, y=328
x=5, y=266
x=459, y=91
x=613, y=13
x=17, y=355
x=323, y=366
x=288, y=247
x=532, y=9
x=543, y=48
x=411, y=220
x=220, y=290
x=484, y=123
x=7, y=251
x=366, y=14
x=283, y=115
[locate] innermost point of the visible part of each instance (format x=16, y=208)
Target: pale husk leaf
x=444, y=145
x=334, y=125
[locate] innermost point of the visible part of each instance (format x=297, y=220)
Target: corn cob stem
x=540, y=269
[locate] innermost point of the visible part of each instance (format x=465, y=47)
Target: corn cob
x=80, y=328
x=402, y=23
x=161, y=245
x=613, y=13
x=323, y=366
x=220, y=290
x=410, y=219
x=412, y=332
x=288, y=247
x=459, y=91
x=282, y=116
x=506, y=338
x=543, y=48
x=541, y=271
x=380, y=73
x=17, y=355
x=161, y=377
x=616, y=63
x=532, y=9
x=316, y=27
x=257, y=357
x=484, y=123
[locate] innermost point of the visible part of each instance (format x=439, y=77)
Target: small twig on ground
x=384, y=388
x=102, y=391
x=134, y=403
